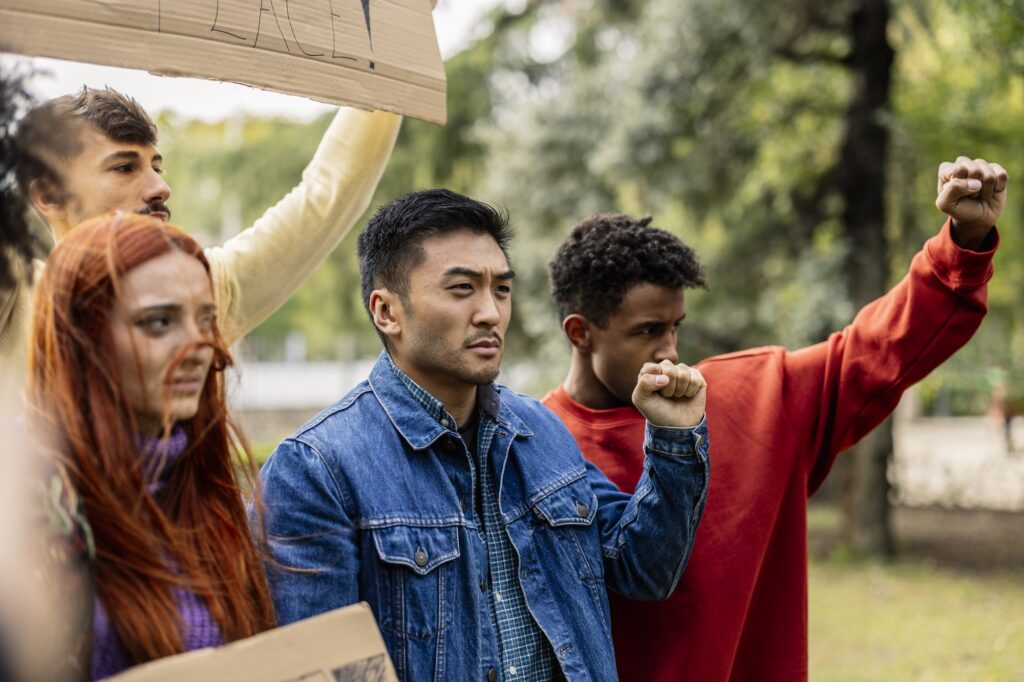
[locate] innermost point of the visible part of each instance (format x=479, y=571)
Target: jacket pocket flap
x=574, y=504
x=420, y=548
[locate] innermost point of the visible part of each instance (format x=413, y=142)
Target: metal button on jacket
x=420, y=557
x=492, y=675
x=581, y=509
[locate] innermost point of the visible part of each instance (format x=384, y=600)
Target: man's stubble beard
x=437, y=355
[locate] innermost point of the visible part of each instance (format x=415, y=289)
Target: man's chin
x=483, y=376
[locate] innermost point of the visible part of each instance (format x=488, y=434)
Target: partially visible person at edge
x=462, y=511
x=777, y=417
x=126, y=398
x=30, y=616
x=109, y=161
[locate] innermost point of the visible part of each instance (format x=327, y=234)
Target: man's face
x=454, y=318
x=643, y=329
x=108, y=176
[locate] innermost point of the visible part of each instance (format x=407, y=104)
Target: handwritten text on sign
x=373, y=53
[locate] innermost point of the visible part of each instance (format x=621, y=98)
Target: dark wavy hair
x=607, y=255
x=17, y=243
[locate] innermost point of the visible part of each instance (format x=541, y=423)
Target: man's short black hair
x=607, y=255
x=391, y=244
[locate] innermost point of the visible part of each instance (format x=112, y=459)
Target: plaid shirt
x=526, y=654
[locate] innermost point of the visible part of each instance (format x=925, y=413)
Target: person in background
x=778, y=419
x=126, y=399
x=98, y=153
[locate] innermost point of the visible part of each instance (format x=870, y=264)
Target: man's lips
x=488, y=347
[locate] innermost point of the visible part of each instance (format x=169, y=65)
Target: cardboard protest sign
x=340, y=646
x=373, y=54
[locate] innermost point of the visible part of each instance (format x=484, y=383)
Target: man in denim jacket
x=462, y=511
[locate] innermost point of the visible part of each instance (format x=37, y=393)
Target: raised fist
x=668, y=394
x=973, y=193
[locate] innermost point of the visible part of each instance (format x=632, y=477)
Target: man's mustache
x=484, y=336
x=158, y=207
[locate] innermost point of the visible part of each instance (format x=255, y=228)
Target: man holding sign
x=95, y=151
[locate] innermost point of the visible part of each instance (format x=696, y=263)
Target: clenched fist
x=973, y=193
x=670, y=395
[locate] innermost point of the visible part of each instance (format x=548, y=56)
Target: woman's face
x=167, y=306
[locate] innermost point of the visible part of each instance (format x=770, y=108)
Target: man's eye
x=158, y=171
x=504, y=290
x=124, y=168
x=462, y=287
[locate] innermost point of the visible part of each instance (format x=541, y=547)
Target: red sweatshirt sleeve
x=835, y=392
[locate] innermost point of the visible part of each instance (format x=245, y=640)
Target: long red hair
x=196, y=537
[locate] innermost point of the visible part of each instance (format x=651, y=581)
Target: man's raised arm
x=256, y=271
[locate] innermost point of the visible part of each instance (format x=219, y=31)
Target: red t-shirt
x=776, y=420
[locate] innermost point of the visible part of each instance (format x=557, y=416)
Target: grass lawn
x=914, y=618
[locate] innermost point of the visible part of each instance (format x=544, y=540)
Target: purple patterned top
x=201, y=630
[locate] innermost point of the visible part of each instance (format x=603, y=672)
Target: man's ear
x=387, y=312
x=48, y=200
x=578, y=330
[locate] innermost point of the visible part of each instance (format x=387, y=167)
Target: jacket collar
x=420, y=422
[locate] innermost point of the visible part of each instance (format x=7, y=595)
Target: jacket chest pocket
x=566, y=516
x=415, y=578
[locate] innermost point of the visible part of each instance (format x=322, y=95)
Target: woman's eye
x=155, y=324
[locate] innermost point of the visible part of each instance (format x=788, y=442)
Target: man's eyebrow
x=654, y=322
x=469, y=272
x=123, y=155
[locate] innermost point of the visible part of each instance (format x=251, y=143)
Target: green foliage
x=722, y=118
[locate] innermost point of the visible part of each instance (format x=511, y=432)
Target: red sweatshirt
x=776, y=421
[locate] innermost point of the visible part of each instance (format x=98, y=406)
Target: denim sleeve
x=647, y=537
x=314, y=563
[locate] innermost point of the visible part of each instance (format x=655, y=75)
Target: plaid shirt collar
x=419, y=416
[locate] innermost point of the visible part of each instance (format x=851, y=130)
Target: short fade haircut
x=391, y=244
x=52, y=132
x=607, y=255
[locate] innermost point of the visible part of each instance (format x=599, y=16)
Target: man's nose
x=487, y=313
x=667, y=349
x=157, y=190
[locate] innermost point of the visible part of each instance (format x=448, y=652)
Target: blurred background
x=794, y=144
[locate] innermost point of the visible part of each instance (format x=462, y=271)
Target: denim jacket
x=372, y=500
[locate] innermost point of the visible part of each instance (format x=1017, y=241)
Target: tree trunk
x=861, y=175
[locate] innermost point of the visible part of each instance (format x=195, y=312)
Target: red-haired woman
x=126, y=380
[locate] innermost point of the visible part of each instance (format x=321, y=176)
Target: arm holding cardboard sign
x=259, y=269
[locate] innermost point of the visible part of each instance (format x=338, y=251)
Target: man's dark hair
x=52, y=132
x=17, y=242
x=391, y=244
x=607, y=255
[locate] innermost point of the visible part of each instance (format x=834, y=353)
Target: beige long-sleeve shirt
x=256, y=271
